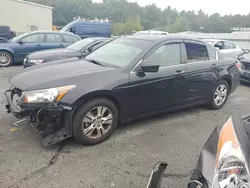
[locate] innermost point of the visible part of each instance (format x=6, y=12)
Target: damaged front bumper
x=53, y=121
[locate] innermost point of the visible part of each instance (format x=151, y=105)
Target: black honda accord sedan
x=126, y=79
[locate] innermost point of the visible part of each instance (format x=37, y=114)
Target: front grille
x=246, y=66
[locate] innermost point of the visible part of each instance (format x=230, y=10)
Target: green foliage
x=128, y=16
x=130, y=25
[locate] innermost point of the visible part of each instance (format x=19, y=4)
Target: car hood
x=53, y=52
x=55, y=75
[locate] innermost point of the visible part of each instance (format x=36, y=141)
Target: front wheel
x=220, y=95
x=95, y=121
x=5, y=59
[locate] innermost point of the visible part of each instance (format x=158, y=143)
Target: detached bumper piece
x=52, y=121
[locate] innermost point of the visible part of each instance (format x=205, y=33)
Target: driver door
x=162, y=90
x=29, y=44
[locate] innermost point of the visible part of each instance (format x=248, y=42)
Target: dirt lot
x=125, y=160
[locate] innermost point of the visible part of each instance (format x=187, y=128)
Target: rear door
x=54, y=40
x=202, y=69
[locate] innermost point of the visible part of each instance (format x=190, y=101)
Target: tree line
x=129, y=16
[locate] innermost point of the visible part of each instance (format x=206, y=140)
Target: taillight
x=239, y=65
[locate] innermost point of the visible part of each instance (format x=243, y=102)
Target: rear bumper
x=235, y=81
x=54, y=122
x=245, y=76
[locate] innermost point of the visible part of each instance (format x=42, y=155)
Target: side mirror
x=21, y=42
x=150, y=68
x=156, y=175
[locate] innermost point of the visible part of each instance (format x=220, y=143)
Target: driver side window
x=35, y=38
x=166, y=55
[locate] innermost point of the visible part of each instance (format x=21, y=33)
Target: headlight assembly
x=231, y=168
x=46, y=95
x=36, y=61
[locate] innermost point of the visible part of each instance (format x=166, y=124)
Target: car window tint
x=229, y=45
x=211, y=53
x=166, y=55
x=219, y=45
x=70, y=39
x=196, y=52
x=35, y=38
x=54, y=38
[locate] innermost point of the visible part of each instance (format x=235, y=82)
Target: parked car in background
x=6, y=33
x=78, y=49
x=226, y=47
x=126, y=79
x=151, y=32
x=86, y=29
x=19, y=47
x=3, y=40
x=245, y=67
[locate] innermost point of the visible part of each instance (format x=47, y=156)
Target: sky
x=208, y=6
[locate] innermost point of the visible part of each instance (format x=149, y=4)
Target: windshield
x=80, y=44
x=16, y=39
x=120, y=52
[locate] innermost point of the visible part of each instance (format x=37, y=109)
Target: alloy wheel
x=97, y=122
x=220, y=95
x=5, y=59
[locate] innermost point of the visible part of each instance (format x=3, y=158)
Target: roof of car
x=50, y=31
x=159, y=38
x=214, y=40
x=99, y=38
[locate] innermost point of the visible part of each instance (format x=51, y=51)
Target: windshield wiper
x=95, y=62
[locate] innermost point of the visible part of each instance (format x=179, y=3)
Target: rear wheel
x=5, y=59
x=220, y=95
x=95, y=121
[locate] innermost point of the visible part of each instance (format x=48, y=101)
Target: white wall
x=20, y=15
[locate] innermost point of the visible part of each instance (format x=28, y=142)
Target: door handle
x=215, y=65
x=179, y=72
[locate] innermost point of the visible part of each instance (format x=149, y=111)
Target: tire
x=82, y=121
x=223, y=97
x=6, y=59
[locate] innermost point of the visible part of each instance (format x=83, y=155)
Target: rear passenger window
x=54, y=38
x=196, y=52
x=229, y=45
x=70, y=39
x=211, y=53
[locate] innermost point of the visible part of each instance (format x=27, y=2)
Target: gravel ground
x=124, y=161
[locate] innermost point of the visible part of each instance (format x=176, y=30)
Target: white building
x=23, y=16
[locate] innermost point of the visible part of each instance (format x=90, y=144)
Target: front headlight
x=46, y=95
x=231, y=168
x=36, y=61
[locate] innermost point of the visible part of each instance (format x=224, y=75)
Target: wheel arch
x=228, y=79
x=9, y=51
x=107, y=94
